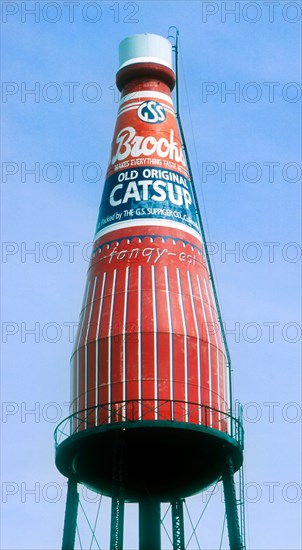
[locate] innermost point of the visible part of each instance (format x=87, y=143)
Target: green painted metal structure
x=126, y=472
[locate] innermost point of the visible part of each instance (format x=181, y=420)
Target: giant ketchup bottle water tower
x=151, y=411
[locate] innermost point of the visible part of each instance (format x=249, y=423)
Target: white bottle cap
x=145, y=48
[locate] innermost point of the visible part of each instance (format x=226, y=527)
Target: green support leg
x=117, y=524
x=149, y=524
x=71, y=513
x=117, y=503
x=231, y=506
x=178, y=525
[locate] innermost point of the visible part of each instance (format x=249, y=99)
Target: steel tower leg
x=117, y=524
x=178, y=525
x=149, y=524
x=231, y=506
x=71, y=513
x=117, y=503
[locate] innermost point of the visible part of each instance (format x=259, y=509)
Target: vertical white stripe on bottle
x=217, y=351
x=180, y=296
x=198, y=347
x=85, y=300
x=209, y=350
x=124, y=340
x=97, y=366
x=153, y=271
x=139, y=339
x=86, y=350
x=171, y=350
x=109, y=348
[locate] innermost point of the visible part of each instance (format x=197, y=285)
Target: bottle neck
x=145, y=84
x=141, y=75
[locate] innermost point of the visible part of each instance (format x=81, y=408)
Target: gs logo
x=152, y=112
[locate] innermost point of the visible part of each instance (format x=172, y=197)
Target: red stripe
x=178, y=345
x=117, y=341
x=193, y=390
x=91, y=353
x=82, y=359
x=132, y=343
x=163, y=345
x=214, y=365
x=147, y=344
x=222, y=362
x=103, y=350
x=204, y=356
x=152, y=229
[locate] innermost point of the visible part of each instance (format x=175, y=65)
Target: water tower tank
x=150, y=387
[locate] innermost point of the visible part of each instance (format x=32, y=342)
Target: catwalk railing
x=136, y=410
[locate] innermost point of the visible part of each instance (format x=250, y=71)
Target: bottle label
x=147, y=180
x=147, y=193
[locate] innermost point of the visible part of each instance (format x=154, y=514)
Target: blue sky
x=254, y=51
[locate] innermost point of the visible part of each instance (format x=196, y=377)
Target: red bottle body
x=149, y=345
